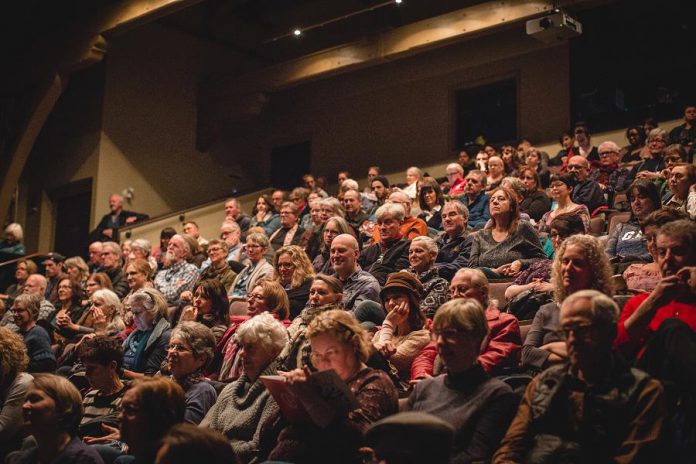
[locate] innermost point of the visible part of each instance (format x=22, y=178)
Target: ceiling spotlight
x=297, y=32
x=398, y=2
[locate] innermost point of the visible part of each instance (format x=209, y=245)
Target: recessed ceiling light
x=297, y=32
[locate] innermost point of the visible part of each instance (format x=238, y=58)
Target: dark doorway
x=289, y=163
x=73, y=203
x=488, y=111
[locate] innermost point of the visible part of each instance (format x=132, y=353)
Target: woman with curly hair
x=580, y=264
x=339, y=343
x=14, y=382
x=294, y=271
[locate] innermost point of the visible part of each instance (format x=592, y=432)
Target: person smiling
x=294, y=272
x=52, y=413
x=244, y=407
x=190, y=349
x=339, y=343
x=580, y=264
x=421, y=257
x=390, y=254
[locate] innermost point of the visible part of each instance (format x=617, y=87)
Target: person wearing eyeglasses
x=257, y=269
x=585, y=191
x=651, y=167
x=501, y=347
x=595, y=407
x=609, y=174
x=479, y=407
x=290, y=231
x=244, y=407
x=190, y=349
x=338, y=342
x=455, y=178
x=681, y=183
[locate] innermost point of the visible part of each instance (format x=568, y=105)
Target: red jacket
x=501, y=349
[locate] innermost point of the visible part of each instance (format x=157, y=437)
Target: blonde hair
x=343, y=327
x=80, y=264
x=303, y=266
x=465, y=314
x=276, y=297
x=13, y=354
x=598, y=263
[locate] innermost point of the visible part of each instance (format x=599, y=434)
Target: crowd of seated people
x=520, y=308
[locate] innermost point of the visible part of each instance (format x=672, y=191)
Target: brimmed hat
x=404, y=281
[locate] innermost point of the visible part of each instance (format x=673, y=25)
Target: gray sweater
x=546, y=328
x=240, y=412
x=523, y=245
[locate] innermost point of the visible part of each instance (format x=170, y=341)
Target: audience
x=477, y=406
x=580, y=264
x=230, y=316
x=595, y=407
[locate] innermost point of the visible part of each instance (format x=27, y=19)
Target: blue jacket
x=478, y=210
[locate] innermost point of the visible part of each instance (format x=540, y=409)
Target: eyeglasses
x=255, y=296
x=214, y=250
x=575, y=167
x=605, y=154
x=178, y=348
x=253, y=245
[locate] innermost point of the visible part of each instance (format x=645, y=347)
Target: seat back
x=496, y=291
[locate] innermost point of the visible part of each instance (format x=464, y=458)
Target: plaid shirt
x=176, y=279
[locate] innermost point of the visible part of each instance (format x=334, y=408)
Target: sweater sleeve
x=531, y=245
x=11, y=408
x=424, y=362
x=532, y=355
x=474, y=256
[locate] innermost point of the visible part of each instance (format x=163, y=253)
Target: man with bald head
x=358, y=285
x=586, y=191
x=412, y=227
x=36, y=283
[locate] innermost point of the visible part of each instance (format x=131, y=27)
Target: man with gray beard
x=178, y=274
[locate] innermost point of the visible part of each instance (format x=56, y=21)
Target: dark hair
x=427, y=184
x=161, y=402
x=214, y=290
x=76, y=288
x=186, y=443
x=381, y=179
x=564, y=134
x=535, y=174
x=167, y=232
x=650, y=120
x=641, y=133
x=567, y=179
x=568, y=224
x=645, y=187
x=267, y=199
x=662, y=216
x=583, y=125
x=102, y=350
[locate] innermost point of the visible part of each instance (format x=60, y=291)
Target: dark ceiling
x=249, y=26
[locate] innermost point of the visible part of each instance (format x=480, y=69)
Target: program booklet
x=319, y=400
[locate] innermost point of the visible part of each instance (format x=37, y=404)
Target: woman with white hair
x=245, y=406
x=421, y=256
x=413, y=175
x=12, y=245
x=142, y=249
x=146, y=347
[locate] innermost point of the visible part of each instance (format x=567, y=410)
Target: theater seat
x=524, y=328
x=603, y=239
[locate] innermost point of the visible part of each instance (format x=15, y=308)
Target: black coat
x=453, y=254
x=298, y=298
x=393, y=259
